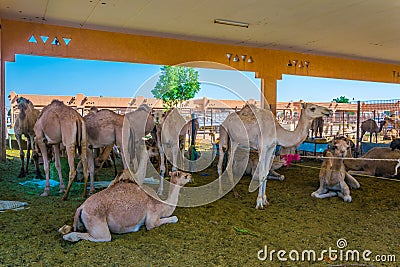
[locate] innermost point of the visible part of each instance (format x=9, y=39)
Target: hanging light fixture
x=236, y=58
x=289, y=64
x=243, y=58
x=229, y=55
x=250, y=60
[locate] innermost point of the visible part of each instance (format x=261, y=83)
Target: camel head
x=157, y=115
x=23, y=103
x=313, y=111
x=340, y=147
x=180, y=178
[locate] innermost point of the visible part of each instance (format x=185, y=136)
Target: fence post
x=357, y=152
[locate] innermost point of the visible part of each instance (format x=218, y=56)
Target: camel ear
x=303, y=105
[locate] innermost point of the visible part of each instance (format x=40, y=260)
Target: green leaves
x=176, y=84
x=341, y=99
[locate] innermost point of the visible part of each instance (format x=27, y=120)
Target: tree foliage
x=176, y=84
x=341, y=99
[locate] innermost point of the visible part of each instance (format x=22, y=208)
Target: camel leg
x=230, y=166
x=362, y=173
x=58, y=167
x=150, y=224
x=97, y=228
x=43, y=149
x=396, y=167
x=264, y=165
x=326, y=195
x=21, y=156
x=90, y=159
x=351, y=181
x=140, y=172
x=219, y=167
x=321, y=190
x=345, y=191
x=71, y=155
x=175, y=152
x=28, y=154
x=162, y=167
x=35, y=157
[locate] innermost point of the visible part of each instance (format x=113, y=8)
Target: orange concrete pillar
x=3, y=118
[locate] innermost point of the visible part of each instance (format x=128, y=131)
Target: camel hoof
x=314, y=194
x=62, y=190
x=259, y=207
x=71, y=237
x=347, y=198
x=45, y=193
x=65, y=229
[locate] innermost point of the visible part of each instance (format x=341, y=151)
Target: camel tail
x=77, y=218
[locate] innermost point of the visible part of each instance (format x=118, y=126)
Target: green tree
x=176, y=84
x=341, y=99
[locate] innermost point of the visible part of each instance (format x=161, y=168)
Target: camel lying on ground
x=385, y=167
x=258, y=129
x=124, y=208
x=24, y=124
x=333, y=175
x=58, y=124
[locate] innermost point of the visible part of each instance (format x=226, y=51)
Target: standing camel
x=258, y=128
x=171, y=134
x=137, y=124
x=104, y=129
x=24, y=124
x=317, y=127
x=371, y=127
x=60, y=124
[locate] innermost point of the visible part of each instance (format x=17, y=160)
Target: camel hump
x=57, y=102
x=144, y=107
x=247, y=110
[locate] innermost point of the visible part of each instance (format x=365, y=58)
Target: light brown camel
x=58, y=124
x=104, y=129
x=24, y=124
x=317, y=127
x=123, y=208
x=258, y=129
x=137, y=124
x=171, y=135
x=333, y=175
x=384, y=167
x=371, y=127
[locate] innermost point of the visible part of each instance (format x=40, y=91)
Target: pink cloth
x=289, y=158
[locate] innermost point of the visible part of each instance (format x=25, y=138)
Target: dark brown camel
x=371, y=127
x=24, y=124
x=317, y=127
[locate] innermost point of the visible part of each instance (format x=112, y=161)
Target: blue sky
x=61, y=76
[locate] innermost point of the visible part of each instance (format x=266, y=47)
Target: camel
x=138, y=124
x=258, y=129
x=371, y=127
x=24, y=124
x=333, y=175
x=104, y=129
x=385, y=167
x=317, y=127
x=123, y=208
x=58, y=123
x=171, y=134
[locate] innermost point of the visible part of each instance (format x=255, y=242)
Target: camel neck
x=172, y=199
x=293, y=138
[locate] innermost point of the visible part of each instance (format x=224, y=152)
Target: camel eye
x=312, y=109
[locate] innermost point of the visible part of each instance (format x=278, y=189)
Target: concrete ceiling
x=358, y=29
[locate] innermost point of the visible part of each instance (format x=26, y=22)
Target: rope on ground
x=321, y=157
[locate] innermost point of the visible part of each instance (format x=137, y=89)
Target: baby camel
x=333, y=174
x=124, y=208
